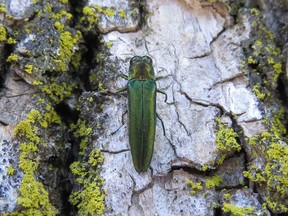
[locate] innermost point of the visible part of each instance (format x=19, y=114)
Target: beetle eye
x=134, y=58
x=147, y=58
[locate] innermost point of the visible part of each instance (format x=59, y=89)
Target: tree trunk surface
x=64, y=142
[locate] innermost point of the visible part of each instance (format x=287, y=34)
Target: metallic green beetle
x=142, y=110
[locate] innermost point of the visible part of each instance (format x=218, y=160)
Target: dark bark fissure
x=142, y=11
x=190, y=170
x=218, y=211
x=280, y=93
x=89, y=49
x=4, y=65
x=283, y=91
x=92, y=44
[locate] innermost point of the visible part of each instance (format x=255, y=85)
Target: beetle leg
x=122, y=121
x=123, y=89
x=124, y=76
x=162, y=92
x=159, y=77
x=161, y=123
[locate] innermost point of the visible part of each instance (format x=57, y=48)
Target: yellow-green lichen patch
x=215, y=181
x=33, y=196
x=226, y=140
x=226, y=137
x=237, y=211
x=82, y=131
x=195, y=186
x=11, y=40
x=265, y=57
x=2, y=8
x=48, y=8
x=29, y=68
x=58, y=92
x=255, y=12
x=277, y=69
x=204, y=167
x=122, y=14
x=10, y=170
x=251, y=60
x=37, y=83
x=90, y=199
x=257, y=89
x=109, y=12
x=64, y=1
x=28, y=31
x=3, y=33
x=68, y=43
x=90, y=99
x=109, y=44
x=62, y=14
x=227, y=196
x=272, y=147
x=89, y=18
x=12, y=57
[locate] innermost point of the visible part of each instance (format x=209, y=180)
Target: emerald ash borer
x=142, y=91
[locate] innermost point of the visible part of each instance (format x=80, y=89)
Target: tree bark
x=64, y=147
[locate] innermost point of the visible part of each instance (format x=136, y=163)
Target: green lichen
x=59, y=26
x=48, y=8
x=109, y=44
x=82, y=131
x=90, y=199
x=64, y=1
x=62, y=14
x=226, y=138
x=28, y=68
x=237, y=211
x=27, y=31
x=11, y=40
x=251, y=60
x=122, y=14
x=215, y=205
x=195, y=186
x=261, y=95
x=109, y=12
x=3, y=33
x=277, y=69
x=2, y=8
x=12, y=57
x=67, y=43
x=37, y=83
x=215, y=181
x=255, y=12
x=90, y=99
x=33, y=196
x=271, y=146
x=264, y=49
x=204, y=167
x=58, y=92
x=259, y=44
x=227, y=196
x=101, y=86
x=10, y=170
x=90, y=18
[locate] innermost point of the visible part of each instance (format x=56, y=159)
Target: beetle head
x=141, y=68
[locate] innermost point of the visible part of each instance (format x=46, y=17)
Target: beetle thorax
x=141, y=69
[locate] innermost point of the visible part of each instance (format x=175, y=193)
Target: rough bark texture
x=63, y=148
